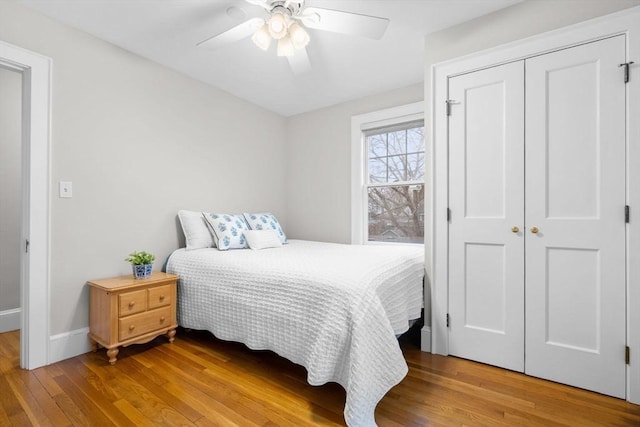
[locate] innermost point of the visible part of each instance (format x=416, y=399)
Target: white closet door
x=486, y=198
x=575, y=196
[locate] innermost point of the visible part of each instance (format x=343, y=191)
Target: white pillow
x=262, y=239
x=196, y=232
x=228, y=230
x=265, y=221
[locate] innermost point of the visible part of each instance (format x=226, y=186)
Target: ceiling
x=344, y=67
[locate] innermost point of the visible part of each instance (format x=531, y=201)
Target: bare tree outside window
x=396, y=183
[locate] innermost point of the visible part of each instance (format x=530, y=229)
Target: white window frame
x=359, y=124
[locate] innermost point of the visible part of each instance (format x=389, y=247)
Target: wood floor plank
x=186, y=381
x=94, y=391
x=71, y=411
x=277, y=376
x=148, y=378
x=32, y=383
x=202, y=381
x=90, y=409
x=4, y=418
x=47, y=380
x=135, y=416
x=221, y=393
x=8, y=401
x=146, y=401
x=32, y=408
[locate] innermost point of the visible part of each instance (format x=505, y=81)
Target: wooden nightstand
x=125, y=311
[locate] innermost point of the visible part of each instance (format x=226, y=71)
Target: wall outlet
x=66, y=189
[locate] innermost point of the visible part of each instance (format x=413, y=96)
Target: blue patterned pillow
x=265, y=221
x=228, y=230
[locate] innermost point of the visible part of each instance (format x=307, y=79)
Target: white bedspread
x=334, y=309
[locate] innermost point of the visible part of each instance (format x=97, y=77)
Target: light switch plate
x=66, y=189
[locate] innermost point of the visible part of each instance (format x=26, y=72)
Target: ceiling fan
x=285, y=21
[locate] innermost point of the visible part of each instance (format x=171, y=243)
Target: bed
x=334, y=309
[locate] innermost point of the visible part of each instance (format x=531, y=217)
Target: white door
x=575, y=197
x=486, y=258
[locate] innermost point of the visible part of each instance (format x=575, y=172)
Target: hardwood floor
x=201, y=381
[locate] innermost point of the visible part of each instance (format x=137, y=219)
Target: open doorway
x=10, y=201
x=35, y=72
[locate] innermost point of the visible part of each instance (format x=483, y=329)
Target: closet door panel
x=575, y=197
x=486, y=291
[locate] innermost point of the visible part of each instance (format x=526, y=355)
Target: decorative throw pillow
x=265, y=221
x=262, y=239
x=228, y=230
x=195, y=229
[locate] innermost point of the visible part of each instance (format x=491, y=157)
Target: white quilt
x=334, y=309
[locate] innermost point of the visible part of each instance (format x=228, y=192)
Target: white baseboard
x=69, y=344
x=425, y=339
x=9, y=320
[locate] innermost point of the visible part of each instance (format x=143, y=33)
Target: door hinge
x=627, y=355
x=447, y=320
x=449, y=102
x=626, y=70
x=448, y=214
x=626, y=213
x=26, y=245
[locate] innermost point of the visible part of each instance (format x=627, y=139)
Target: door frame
x=626, y=22
x=34, y=263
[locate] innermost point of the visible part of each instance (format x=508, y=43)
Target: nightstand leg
x=171, y=334
x=94, y=345
x=112, y=353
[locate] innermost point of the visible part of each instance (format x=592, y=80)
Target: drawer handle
x=132, y=327
x=161, y=319
x=131, y=304
x=161, y=297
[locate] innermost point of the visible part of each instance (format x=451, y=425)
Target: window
x=395, y=187
x=388, y=176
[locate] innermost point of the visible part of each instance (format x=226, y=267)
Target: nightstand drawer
x=160, y=296
x=132, y=302
x=142, y=323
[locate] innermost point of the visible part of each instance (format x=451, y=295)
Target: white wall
x=10, y=195
x=139, y=142
x=319, y=166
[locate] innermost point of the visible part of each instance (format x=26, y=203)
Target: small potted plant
x=141, y=263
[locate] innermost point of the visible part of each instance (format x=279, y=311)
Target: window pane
x=377, y=145
x=397, y=168
x=396, y=214
x=415, y=167
x=415, y=140
x=378, y=170
x=397, y=142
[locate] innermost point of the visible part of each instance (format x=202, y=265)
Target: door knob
x=515, y=229
x=534, y=230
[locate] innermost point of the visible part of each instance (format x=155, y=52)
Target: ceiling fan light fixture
x=285, y=47
x=299, y=37
x=277, y=25
x=261, y=37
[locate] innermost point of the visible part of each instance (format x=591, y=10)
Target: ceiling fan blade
x=234, y=34
x=262, y=3
x=344, y=22
x=299, y=62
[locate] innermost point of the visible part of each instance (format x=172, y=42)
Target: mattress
x=334, y=309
